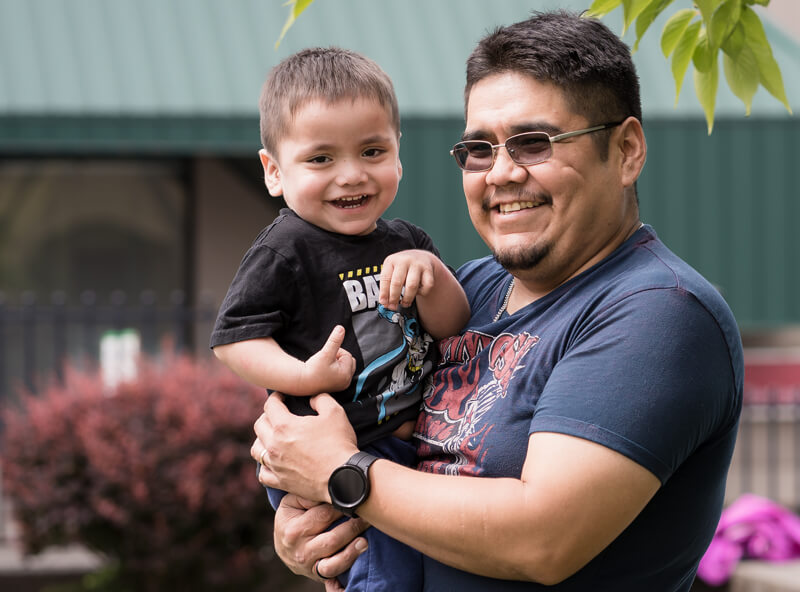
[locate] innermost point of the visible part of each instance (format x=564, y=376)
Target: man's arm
x=264, y=363
x=573, y=499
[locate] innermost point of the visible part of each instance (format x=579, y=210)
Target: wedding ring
x=316, y=570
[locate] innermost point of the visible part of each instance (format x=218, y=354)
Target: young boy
x=330, y=297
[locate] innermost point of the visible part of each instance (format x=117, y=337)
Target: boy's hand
x=331, y=368
x=406, y=275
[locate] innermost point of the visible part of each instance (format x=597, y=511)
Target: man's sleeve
x=650, y=377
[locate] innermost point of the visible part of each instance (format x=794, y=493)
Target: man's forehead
x=516, y=101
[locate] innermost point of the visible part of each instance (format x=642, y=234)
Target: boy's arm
x=264, y=363
x=441, y=302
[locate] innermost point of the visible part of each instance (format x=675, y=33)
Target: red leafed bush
x=156, y=476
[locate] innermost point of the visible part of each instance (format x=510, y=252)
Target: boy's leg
x=387, y=565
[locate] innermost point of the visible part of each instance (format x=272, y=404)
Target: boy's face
x=338, y=166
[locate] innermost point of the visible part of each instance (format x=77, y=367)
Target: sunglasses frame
x=552, y=140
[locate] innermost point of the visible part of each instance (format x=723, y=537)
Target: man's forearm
x=566, y=509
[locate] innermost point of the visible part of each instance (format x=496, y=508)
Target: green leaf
x=674, y=30
x=735, y=41
x=753, y=29
x=683, y=55
x=647, y=17
x=602, y=7
x=707, y=8
x=705, y=85
x=742, y=74
x=761, y=2
x=703, y=57
x=724, y=19
x=298, y=6
x=769, y=72
x=631, y=9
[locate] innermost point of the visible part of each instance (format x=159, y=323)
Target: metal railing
x=39, y=338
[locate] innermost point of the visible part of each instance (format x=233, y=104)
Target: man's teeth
x=515, y=206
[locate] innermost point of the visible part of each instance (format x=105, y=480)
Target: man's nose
x=505, y=170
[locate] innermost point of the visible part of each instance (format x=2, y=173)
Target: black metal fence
x=40, y=337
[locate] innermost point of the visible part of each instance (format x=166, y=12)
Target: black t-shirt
x=297, y=281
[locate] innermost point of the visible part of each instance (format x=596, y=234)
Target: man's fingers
x=333, y=586
x=322, y=403
x=340, y=562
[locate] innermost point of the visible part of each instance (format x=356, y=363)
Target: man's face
x=549, y=221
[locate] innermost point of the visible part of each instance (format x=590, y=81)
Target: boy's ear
x=399, y=164
x=272, y=174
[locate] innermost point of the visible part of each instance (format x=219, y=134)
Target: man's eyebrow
x=519, y=128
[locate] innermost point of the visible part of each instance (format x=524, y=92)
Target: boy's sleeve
x=422, y=240
x=257, y=299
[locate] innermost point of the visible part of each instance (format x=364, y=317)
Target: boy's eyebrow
x=374, y=139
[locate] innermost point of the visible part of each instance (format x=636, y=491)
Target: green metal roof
x=185, y=74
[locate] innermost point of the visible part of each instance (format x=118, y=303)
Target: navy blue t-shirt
x=639, y=354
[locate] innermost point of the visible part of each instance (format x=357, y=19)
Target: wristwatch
x=348, y=485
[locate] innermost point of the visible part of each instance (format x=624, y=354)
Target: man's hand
x=302, y=539
x=299, y=453
x=331, y=368
x=405, y=275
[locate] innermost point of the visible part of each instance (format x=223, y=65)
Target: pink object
x=752, y=527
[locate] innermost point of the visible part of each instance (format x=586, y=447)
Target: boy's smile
x=338, y=166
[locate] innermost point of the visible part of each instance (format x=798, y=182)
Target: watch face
x=347, y=486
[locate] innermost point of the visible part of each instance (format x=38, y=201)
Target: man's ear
x=272, y=174
x=633, y=147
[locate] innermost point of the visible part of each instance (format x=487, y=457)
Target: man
x=598, y=382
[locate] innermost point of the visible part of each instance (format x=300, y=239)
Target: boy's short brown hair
x=329, y=74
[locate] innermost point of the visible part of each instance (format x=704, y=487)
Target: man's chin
x=521, y=258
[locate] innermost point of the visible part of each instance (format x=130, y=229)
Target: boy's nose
x=351, y=172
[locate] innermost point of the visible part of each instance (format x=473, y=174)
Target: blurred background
x=130, y=185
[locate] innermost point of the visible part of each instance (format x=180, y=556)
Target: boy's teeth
x=351, y=202
x=515, y=207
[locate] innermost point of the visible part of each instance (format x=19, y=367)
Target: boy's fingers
x=396, y=283
x=426, y=284
x=334, y=342
x=385, y=281
x=412, y=285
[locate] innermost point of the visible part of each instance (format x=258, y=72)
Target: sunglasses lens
x=530, y=148
x=473, y=156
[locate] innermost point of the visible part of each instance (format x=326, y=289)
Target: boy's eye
x=319, y=159
x=372, y=152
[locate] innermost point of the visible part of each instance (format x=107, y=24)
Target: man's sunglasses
x=475, y=156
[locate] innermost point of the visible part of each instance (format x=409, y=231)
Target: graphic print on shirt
x=454, y=425
x=362, y=286
x=392, y=343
